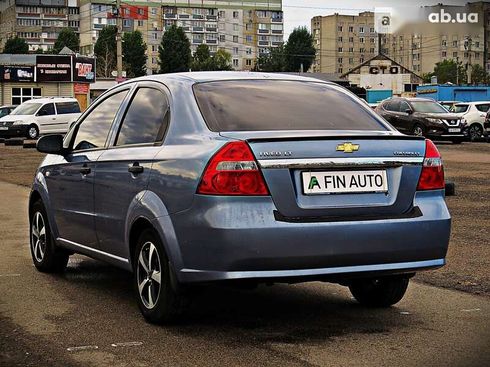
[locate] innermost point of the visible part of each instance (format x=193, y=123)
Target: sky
x=299, y=12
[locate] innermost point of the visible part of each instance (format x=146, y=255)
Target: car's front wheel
x=418, y=130
x=379, y=292
x=158, y=299
x=46, y=257
x=475, y=132
x=33, y=132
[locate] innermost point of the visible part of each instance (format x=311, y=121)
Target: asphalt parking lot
x=88, y=316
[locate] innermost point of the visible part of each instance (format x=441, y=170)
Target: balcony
x=264, y=43
x=212, y=42
x=263, y=31
x=169, y=16
x=212, y=29
x=276, y=43
x=198, y=29
x=276, y=20
x=212, y=17
x=197, y=16
x=184, y=16
x=277, y=31
x=197, y=41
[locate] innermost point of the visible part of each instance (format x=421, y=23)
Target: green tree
x=16, y=45
x=273, y=61
x=134, y=54
x=299, y=50
x=67, y=38
x=202, y=60
x=449, y=71
x=105, y=51
x=479, y=75
x=221, y=60
x=174, y=51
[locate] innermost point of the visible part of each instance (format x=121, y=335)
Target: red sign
x=81, y=88
x=132, y=12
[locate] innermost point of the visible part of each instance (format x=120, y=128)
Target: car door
x=46, y=118
x=404, y=118
x=70, y=180
x=391, y=109
x=68, y=112
x=124, y=168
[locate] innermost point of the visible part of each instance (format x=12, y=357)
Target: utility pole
x=467, y=43
x=119, y=40
x=457, y=70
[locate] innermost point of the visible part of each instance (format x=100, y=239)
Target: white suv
x=474, y=114
x=40, y=116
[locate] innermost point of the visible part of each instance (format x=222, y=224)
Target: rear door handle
x=85, y=170
x=136, y=169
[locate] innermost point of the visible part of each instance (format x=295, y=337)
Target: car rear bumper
x=240, y=238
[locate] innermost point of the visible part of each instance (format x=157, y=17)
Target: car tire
x=418, y=130
x=46, y=256
x=379, y=292
x=32, y=132
x=475, y=132
x=159, y=300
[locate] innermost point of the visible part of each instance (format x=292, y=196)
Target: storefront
x=24, y=77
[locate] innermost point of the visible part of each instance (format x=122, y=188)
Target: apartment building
x=343, y=41
x=37, y=21
x=419, y=51
x=244, y=29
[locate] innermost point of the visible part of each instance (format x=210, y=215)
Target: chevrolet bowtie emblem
x=348, y=147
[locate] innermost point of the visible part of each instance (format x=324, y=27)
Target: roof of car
x=8, y=106
x=475, y=102
x=412, y=99
x=207, y=76
x=51, y=99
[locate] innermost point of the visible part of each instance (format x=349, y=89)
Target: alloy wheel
x=475, y=132
x=32, y=132
x=417, y=130
x=149, y=273
x=38, y=236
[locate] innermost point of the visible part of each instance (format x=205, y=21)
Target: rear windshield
x=264, y=105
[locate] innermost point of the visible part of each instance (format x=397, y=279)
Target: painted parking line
x=81, y=348
x=471, y=310
x=9, y=275
x=126, y=344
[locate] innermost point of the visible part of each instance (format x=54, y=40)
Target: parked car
x=239, y=177
x=474, y=114
x=448, y=104
x=422, y=117
x=6, y=110
x=40, y=116
x=486, y=125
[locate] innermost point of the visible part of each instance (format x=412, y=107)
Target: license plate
x=3, y=128
x=344, y=182
x=454, y=130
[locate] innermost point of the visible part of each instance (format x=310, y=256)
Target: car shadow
x=300, y=313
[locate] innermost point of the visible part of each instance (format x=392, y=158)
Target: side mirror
x=409, y=111
x=51, y=144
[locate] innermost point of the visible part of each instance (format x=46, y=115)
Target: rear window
x=67, y=107
x=264, y=105
x=459, y=108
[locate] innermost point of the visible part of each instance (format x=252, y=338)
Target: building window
x=249, y=51
x=340, y=70
x=361, y=39
x=140, y=23
x=351, y=60
x=340, y=49
x=339, y=60
x=339, y=28
x=351, y=39
x=20, y=95
x=235, y=50
x=444, y=54
x=361, y=50
x=235, y=62
x=361, y=29
x=351, y=49
x=249, y=38
x=371, y=29
x=235, y=27
x=235, y=14
x=455, y=43
x=351, y=29
x=340, y=39
x=235, y=39
x=153, y=11
x=248, y=62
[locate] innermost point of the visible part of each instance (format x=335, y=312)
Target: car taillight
x=233, y=171
x=432, y=176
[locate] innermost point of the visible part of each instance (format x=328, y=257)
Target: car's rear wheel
x=475, y=132
x=158, y=298
x=418, y=130
x=46, y=256
x=379, y=292
x=32, y=132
